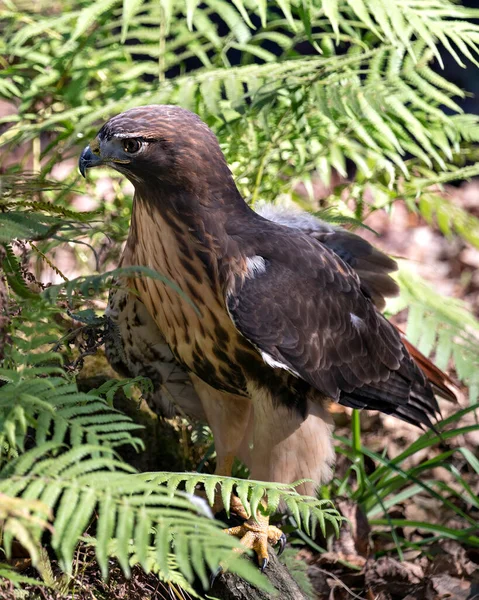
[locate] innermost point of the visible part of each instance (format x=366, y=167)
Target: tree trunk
x=229, y=586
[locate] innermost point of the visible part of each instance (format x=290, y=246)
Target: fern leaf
x=124, y=533
x=453, y=332
x=89, y=15
x=130, y=9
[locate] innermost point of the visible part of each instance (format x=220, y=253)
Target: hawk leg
x=256, y=533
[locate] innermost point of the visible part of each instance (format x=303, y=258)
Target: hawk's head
x=158, y=144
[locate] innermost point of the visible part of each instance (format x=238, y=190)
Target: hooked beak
x=88, y=160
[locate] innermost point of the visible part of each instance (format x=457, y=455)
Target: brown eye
x=131, y=146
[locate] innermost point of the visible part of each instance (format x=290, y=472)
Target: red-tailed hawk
x=283, y=312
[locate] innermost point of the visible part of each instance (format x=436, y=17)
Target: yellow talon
x=256, y=533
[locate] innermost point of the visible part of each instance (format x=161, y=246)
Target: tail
x=409, y=393
x=440, y=382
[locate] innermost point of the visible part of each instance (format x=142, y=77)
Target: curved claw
x=264, y=564
x=282, y=544
x=214, y=575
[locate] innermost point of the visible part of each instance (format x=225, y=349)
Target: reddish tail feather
x=440, y=381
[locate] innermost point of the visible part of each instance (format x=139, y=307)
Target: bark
x=229, y=586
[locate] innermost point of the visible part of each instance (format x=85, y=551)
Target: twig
x=336, y=578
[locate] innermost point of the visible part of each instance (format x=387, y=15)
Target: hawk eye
x=131, y=145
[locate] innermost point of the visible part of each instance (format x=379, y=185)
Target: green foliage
x=9, y=574
x=93, y=284
x=87, y=485
x=364, y=92
x=306, y=510
x=441, y=327
x=407, y=475
x=449, y=217
x=372, y=103
x=56, y=409
x=60, y=472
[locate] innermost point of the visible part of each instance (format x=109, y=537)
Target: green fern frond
x=18, y=516
x=438, y=208
x=398, y=24
x=83, y=487
x=165, y=566
x=110, y=387
x=14, y=275
x=32, y=331
x=57, y=411
x=27, y=226
x=9, y=574
x=442, y=328
x=92, y=284
x=401, y=93
x=306, y=510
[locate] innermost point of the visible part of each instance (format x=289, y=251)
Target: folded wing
x=308, y=312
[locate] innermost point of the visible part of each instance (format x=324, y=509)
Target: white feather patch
x=255, y=265
x=356, y=321
x=276, y=364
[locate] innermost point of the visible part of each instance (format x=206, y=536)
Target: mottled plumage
x=135, y=345
x=286, y=312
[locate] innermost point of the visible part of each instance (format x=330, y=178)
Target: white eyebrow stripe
x=123, y=135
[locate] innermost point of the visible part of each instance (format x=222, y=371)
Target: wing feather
x=310, y=312
x=371, y=265
x=373, y=268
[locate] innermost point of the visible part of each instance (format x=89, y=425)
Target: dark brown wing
x=306, y=311
x=373, y=268
x=371, y=265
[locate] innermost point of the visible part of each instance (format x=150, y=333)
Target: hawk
x=279, y=312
